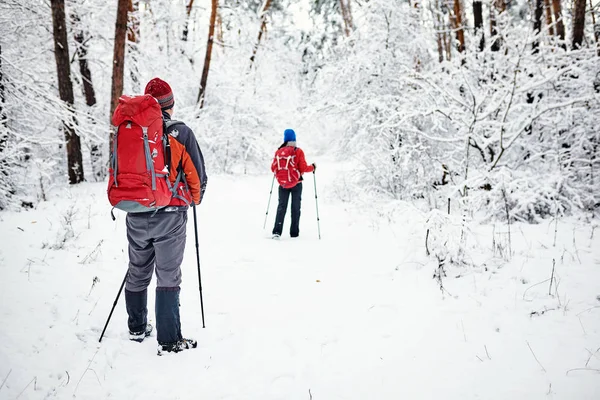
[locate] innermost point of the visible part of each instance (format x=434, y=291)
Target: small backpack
x=286, y=171
x=139, y=170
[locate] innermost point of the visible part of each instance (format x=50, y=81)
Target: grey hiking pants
x=155, y=240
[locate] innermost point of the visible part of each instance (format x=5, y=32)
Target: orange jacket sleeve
x=187, y=158
x=191, y=176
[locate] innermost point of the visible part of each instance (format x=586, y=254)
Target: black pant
x=284, y=195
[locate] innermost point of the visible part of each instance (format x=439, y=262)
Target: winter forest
x=458, y=146
x=429, y=99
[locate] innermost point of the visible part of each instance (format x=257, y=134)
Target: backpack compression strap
x=287, y=158
x=114, y=155
x=149, y=163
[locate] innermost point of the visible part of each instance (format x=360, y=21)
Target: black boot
x=168, y=325
x=180, y=345
x=136, y=304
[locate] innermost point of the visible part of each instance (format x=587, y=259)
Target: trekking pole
x=198, y=261
x=269, y=203
x=113, y=307
x=317, y=203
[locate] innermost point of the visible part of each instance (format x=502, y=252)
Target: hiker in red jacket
x=288, y=166
x=157, y=238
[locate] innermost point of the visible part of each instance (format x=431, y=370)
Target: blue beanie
x=289, y=135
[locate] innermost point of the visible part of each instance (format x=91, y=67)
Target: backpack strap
x=173, y=188
x=114, y=155
x=149, y=163
x=166, y=148
x=172, y=122
x=180, y=178
x=278, y=158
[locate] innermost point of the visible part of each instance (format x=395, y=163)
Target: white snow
x=355, y=315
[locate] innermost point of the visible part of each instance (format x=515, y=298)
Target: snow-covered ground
x=355, y=315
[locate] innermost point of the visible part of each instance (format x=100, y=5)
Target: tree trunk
x=596, y=28
x=4, y=164
x=2, y=102
x=435, y=8
x=450, y=6
x=81, y=52
x=133, y=21
x=88, y=91
x=436, y=12
x=347, y=16
x=549, y=19
x=493, y=29
x=65, y=89
x=478, y=16
x=118, y=60
x=560, y=26
x=133, y=38
x=447, y=37
x=209, y=45
x=219, y=29
x=188, y=11
x=263, y=28
x=3, y=118
x=537, y=25
x=440, y=47
x=458, y=20
x=578, y=23
x=498, y=6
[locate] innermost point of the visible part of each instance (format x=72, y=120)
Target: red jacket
x=301, y=165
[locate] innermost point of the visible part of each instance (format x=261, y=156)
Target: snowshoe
x=140, y=336
x=180, y=345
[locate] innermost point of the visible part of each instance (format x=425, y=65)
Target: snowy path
x=355, y=315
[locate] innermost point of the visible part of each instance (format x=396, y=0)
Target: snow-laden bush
x=487, y=129
x=445, y=238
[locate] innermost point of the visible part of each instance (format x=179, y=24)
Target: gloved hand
x=314, y=165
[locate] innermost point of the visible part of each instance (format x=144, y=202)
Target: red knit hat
x=162, y=92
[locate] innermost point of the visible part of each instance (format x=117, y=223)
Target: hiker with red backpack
x=288, y=166
x=157, y=172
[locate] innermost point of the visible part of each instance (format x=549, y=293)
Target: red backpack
x=286, y=171
x=139, y=170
